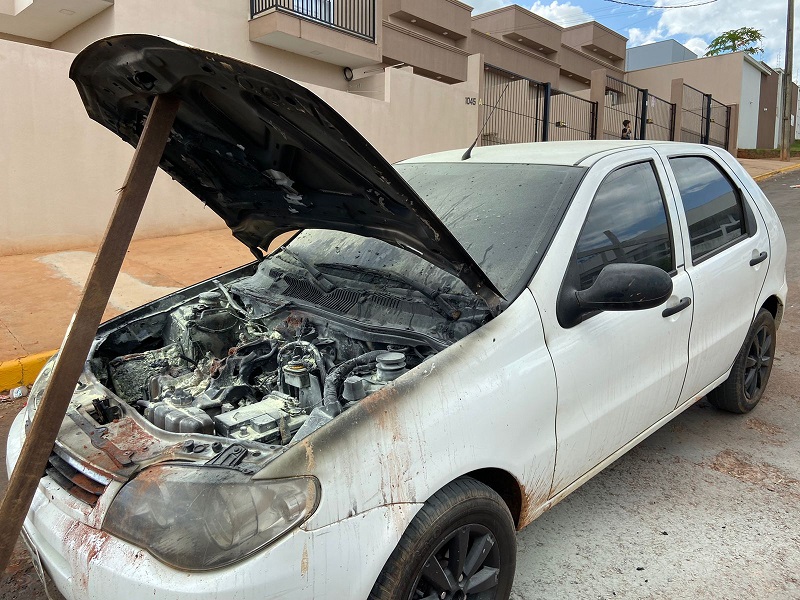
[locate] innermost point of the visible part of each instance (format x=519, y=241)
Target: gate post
x=676, y=97
x=643, y=123
x=546, y=112
x=597, y=94
x=707, y=124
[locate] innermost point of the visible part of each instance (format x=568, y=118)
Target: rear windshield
x=503, y=214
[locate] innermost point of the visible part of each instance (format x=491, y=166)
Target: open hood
x=261, y=151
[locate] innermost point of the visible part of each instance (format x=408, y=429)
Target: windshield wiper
x=319, y=278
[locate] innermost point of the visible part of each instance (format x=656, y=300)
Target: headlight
x=198, y=518
x=37, y=389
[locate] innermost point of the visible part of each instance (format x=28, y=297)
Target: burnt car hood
x=262, y=151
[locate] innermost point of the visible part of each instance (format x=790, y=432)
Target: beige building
x=408, y=74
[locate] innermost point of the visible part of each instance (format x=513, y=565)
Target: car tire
x=750, y=373
x=469, y=519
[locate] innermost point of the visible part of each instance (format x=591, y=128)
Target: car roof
x=547, y=153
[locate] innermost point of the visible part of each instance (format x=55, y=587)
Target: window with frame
x=627, y=222
x=712, y=204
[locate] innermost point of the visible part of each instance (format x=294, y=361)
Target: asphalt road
x=706, y=508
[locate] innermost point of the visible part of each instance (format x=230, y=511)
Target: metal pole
x=83, y=328
x=643, y=122
x=546, y=113
x=706, y=135
x=787, y=138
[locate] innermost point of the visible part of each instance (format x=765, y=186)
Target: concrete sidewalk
x=41, y=291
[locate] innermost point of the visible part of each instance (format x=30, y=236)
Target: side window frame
x=571, y=280
x=749, y=222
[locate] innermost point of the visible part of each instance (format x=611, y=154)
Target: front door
x=617, y=372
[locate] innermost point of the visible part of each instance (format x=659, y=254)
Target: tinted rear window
x=503, y=214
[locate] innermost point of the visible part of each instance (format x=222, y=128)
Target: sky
x=694, y=27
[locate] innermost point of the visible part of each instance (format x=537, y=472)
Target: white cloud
x=696, y=26
x=640, y=37
x=697, y=45
x=482, y=6
x=563, y=13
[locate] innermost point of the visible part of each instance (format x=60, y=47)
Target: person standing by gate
x=626, y=130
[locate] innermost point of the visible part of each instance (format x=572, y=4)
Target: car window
x=712, y=204
x=627, y=222
x=503, y=214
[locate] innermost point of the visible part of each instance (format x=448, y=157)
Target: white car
x=448, y=348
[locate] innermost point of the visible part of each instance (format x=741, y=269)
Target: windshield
x=503, y=214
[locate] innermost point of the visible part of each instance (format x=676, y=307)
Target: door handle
x=684, y=303
x=760, y=258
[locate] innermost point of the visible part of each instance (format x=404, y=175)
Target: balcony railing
x=356, y=17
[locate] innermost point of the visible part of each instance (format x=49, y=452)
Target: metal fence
x=719, y=125
x=659, y=118
x=514, y=106
x=571, y=117
x=356, y=17
x=519, y=109
x=693, y=115
x=623, y=102
x=651, y=117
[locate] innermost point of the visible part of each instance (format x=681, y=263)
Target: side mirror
x=619, y=286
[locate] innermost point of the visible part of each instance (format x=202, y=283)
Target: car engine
x=272, y=357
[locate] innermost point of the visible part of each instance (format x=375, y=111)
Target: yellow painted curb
x=776, y=172
x=22, y=371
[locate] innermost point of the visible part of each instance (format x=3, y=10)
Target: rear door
x=727, y=256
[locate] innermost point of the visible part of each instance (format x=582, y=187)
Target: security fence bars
x=651, y=117
x=518, y=109
x=356, y=17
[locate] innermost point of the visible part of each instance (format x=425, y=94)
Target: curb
x=22, y=371
x=776, y=172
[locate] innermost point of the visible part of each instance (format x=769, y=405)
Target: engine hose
x=330, y=396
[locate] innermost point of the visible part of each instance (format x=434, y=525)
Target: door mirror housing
x=618, y=287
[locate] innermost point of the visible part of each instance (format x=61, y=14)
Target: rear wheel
x=750, y=373
x=461, y=545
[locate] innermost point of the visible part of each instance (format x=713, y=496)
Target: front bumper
x=341, y=560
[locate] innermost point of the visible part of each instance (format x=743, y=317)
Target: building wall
x=209, y=24
x=60, y=171
x=749, y=106
x=768, y=111
x=657, y=54
x=720, y=76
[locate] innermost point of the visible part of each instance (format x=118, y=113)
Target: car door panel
x=617, y=372
x=727, y=281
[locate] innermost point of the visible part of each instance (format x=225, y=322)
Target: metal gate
x=651, y=117
x=719, y=123
x=693, y=115
x=623, y=102
x=514, y=106
x=659, y=118
x=518, y=109
x=571, y=117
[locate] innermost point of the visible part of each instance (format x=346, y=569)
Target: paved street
x=705, y=508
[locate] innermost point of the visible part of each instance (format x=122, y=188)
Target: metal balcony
x=355, y=17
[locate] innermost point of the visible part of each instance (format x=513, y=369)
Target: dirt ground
x=705, y=508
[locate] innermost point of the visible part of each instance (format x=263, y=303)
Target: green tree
x=745, y=39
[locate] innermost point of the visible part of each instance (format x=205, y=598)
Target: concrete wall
x=219, y=26
x=720, y=76
x=60, y=171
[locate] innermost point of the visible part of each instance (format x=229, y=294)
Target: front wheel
x=461, y=545
x=744, y=387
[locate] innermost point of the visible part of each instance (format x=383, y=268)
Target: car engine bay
x=272, y=357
